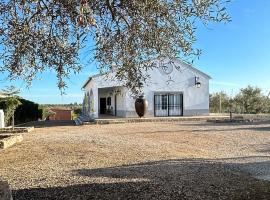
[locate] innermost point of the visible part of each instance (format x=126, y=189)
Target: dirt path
x=141, y=161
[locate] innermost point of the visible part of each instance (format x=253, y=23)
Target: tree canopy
x=249, y=100
x=219, y=102
x=37, y=35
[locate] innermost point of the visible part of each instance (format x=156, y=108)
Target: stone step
x=110, y=121
x=83, y=118
x=153, y=119
x=78, y=122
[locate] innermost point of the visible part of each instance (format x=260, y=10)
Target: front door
x=102, y=104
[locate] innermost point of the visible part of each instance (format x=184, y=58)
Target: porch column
x=95, y=100
x=2, y=120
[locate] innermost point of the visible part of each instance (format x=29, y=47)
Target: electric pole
x=220, y=102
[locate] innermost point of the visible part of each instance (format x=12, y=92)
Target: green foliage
x=219, y=101
x=23, y=110
x=78, y=111
x=46, y=112
x=28, y=111
x=39, y=35
x=249, y=100
x=40, y=113
x=11, y=102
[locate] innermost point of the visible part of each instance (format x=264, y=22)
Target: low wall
x=16, y=130
x=9, y=140
x=154, y=119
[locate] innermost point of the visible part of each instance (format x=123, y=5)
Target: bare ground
x=166, y=160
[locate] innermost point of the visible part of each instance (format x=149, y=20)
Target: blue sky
x=235, y=55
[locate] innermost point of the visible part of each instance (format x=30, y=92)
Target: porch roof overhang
x=90, y=79
x=86, y=82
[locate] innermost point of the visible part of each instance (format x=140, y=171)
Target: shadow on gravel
x=252, y=126
x=264, y=148
x=45, y=124
x=256, y=128
x=262, y=122
x=167, y=179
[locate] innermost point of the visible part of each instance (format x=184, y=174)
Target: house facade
x=174, y=88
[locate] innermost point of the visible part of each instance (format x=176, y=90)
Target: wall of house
x=103, y=87
x=180, y=80
x=195, y=100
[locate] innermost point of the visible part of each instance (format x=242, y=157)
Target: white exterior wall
x=195, y=100
x=2, y=119
x=102, y=87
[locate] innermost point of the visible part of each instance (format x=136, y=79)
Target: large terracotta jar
x=141, y=105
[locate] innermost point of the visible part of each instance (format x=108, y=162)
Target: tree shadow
x=264, y=148
x=265, y=129
x=127, y=190
x=226, y=123
x=166, y=179
x=253, y=126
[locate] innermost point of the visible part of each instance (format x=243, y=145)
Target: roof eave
x=197, y=70
x=86, y=83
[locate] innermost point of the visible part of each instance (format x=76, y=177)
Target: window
x=164, y=102
x=109, y=101
x=168, y=104
x=158, y=102
x=171, y=101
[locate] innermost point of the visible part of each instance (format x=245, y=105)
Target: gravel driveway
x=166, y=160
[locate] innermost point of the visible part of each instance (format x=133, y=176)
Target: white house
x=173, y=89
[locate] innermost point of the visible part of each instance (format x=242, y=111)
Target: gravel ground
x=166, y=160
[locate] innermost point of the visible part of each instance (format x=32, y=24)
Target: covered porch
x=111, y=102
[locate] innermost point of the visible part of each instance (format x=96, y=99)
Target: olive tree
x=219, y=103
x=250, y=100
x=37, y=35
